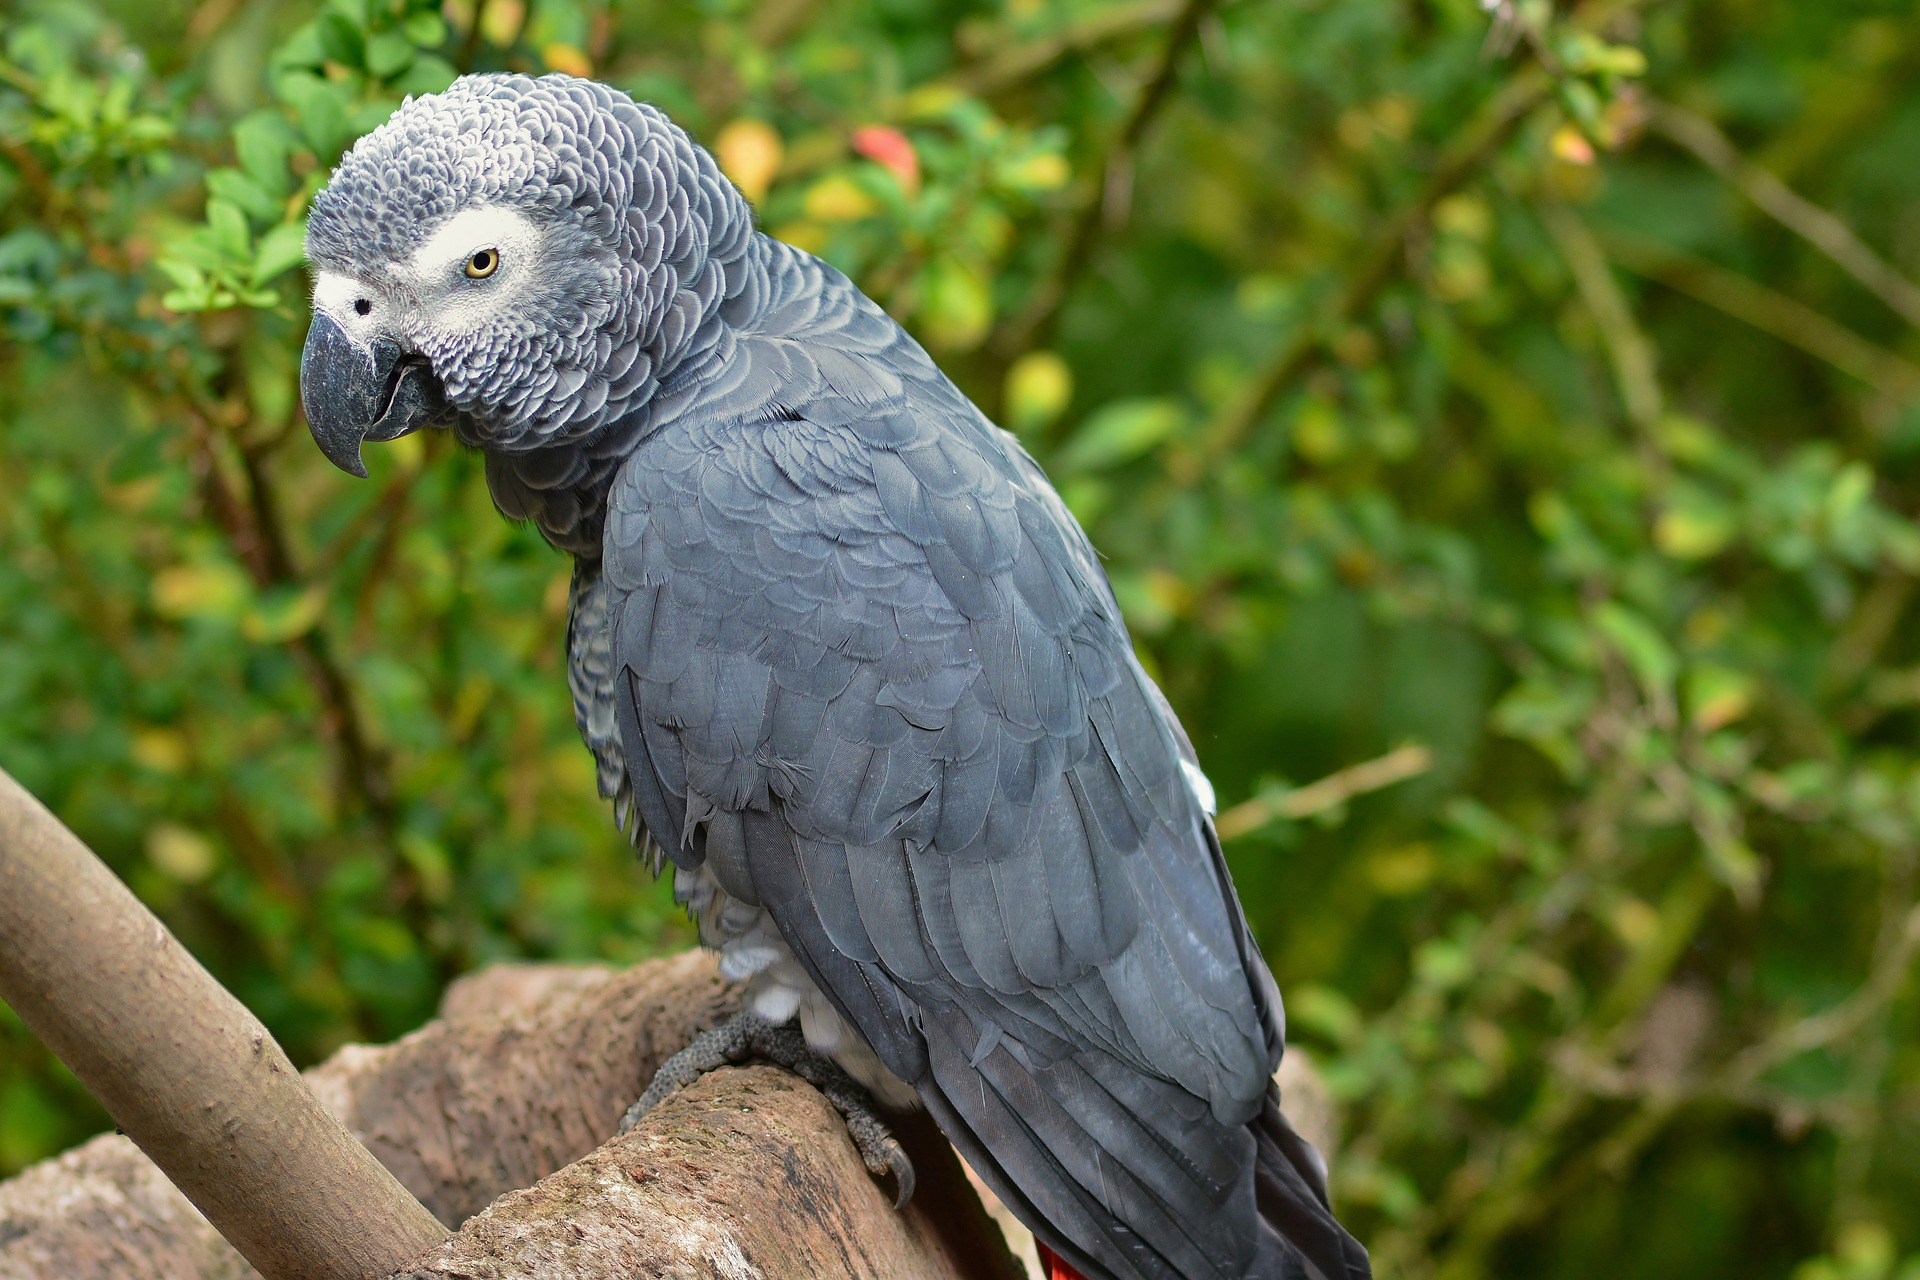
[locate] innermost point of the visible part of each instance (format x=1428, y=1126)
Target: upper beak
x=355, y=392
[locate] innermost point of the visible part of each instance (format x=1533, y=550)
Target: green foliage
x=1424, y=369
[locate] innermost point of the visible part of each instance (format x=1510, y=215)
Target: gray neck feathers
x=562, y=485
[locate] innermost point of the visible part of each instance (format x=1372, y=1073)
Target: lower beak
x=355, y=392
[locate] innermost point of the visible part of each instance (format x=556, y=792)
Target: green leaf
x=185, y=275
x=302, y=50
x=388, y=53
x=340, y=39
x=228, y=229
x=1120, y=432
x=322, y=116
x=262, y=142
x=237, y=189
x=280, y=249
x=1643, y=648
x=429, y=73
x=427, y=30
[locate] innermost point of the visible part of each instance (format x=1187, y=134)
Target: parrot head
x=521, y=260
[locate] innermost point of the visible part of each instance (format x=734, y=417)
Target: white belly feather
x=778, y=988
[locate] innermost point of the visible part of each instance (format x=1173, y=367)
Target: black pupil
x=483, y=260
x=362, y=306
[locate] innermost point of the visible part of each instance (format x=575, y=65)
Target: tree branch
x=1398, y=765
x=1790, y=209
x=1035, y=322
x=524, y=1073
x=1379, y=263
x=184, y=1069
x=1771, y=312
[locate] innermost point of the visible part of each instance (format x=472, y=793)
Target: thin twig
x=1890, y=973
x=1398, y=765
x=1631, y=355
x=1774, y=313
x=1792, y=210
x=1019, y=63
x=1034, y=324
x=1380, y=262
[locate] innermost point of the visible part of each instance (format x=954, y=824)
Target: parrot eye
x=483, y=264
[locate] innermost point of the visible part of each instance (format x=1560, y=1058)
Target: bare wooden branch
x=527, y=1070
x=185, y=1069
x=746, y=1172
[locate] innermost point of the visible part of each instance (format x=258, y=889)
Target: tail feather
x=1290, y=1188
x=1018, y=1130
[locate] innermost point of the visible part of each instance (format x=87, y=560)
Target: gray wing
x=869, y=670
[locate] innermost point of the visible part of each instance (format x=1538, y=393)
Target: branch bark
x=748, y=1173
x=184, y=1069
x=515, y=1086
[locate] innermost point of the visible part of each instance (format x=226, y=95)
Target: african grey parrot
x=838, y=645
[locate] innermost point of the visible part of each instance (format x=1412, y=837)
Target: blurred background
x=1502, y=420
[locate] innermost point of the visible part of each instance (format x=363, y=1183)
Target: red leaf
x=889, y=148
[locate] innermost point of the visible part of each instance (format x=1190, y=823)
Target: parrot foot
x=746, y=1035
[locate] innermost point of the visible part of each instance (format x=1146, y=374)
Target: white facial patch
x=351, y=304
x=436, y=271
x=431, y=290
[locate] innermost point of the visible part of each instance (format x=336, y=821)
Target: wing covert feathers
x=866, y=665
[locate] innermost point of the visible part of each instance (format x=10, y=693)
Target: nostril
x=363, y=306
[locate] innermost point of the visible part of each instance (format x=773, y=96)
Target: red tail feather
x=1056, y=1266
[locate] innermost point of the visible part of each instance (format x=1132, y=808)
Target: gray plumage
x=838, y=645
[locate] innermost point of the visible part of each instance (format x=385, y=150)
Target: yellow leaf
x=284, y=616
x=1039, y=385
x=1693, y=532
x=181, y=854
x=931, y=101
x=1407, y=869
x=500, y=20
x=749, y=152
x=1041, y=171
x=956, y=307
x=1718, y=696
x=200, y=591
x=838, y=199
x=1570, y=145
x=810, y=236
x=1635, y=921
x=161, y=750
x=1464, y=215
x=1318, y=433
x=567, y=58
x=408, y=453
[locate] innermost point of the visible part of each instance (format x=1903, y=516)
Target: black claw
x=747, y=1034
x=902, y=1169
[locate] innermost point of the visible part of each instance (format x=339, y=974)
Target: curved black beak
x=354, y=393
